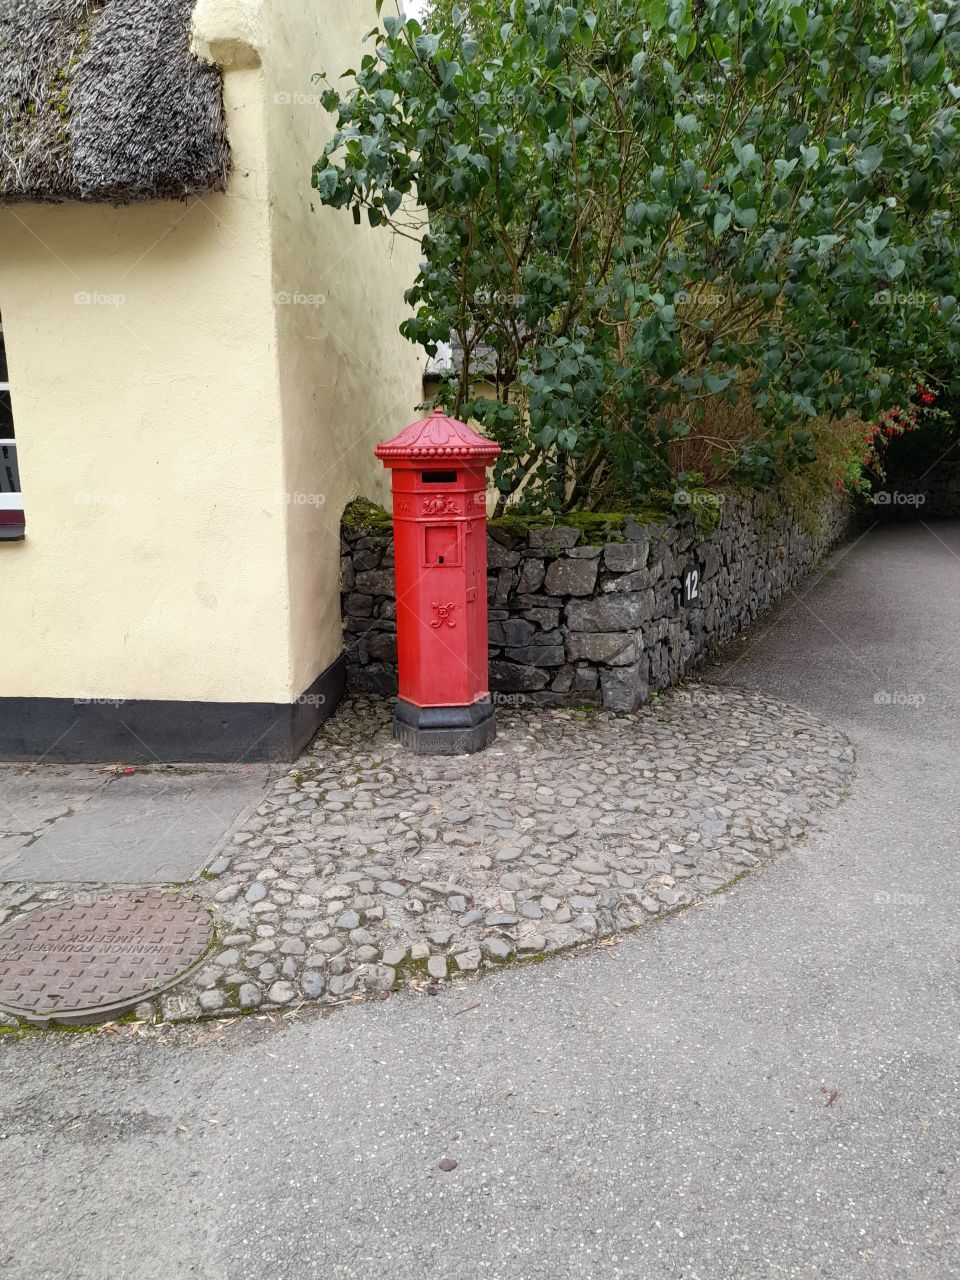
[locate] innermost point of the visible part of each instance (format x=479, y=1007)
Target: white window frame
x=10, y=501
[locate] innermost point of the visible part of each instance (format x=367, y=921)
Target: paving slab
x=83, y=825
x=33, y=797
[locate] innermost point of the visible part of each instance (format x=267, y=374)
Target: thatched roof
x=103, y=100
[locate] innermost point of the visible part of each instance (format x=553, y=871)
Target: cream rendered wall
x=347, y=378
x=185, y=454
x=149, y=444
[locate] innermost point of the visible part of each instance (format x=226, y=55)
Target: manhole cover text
x=76, y=963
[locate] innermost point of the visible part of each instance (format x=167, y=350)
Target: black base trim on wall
x=140, y=731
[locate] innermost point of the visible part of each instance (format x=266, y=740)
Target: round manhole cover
x=76, y=963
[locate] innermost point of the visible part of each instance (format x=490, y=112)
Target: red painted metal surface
x=438, y=470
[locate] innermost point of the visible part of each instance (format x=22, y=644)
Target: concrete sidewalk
x=764, y=1086
x=92, y=824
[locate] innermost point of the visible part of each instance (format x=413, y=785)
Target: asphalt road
x=765, y=1086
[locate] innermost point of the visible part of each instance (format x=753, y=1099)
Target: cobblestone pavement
x=368, y=868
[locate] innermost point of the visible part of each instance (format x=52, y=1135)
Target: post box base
x=445, y=731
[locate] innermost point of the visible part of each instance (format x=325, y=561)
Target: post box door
x=441, y=545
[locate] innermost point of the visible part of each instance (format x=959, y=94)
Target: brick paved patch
x=96, y=956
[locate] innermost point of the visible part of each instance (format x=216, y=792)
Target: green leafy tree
x=664, y=230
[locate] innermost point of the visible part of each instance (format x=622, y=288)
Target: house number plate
x=690, y=586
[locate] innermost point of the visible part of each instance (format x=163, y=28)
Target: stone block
x=358, y=625
x=538, y=655
x=382, y=646
x=499, y=557
x=563, y=680
x=513, y=677
x=554, y=539
x=585, y=680
x=546, y=618
x=537, y=602
x=566, y=577
x=504, y=536
x=366, y=558
x=503, y=588
x=514, y=631
x=624, y=688
x=637, y=581
x=531, y=577
x=376, y=678
x=616, y=612
x=616, y=648
x=626, y=557
x=376, y=582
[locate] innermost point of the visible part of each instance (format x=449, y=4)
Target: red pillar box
x=440, y=547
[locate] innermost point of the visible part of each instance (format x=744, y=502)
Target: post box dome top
x=437, y=438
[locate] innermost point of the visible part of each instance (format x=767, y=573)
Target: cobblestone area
x=368, y=868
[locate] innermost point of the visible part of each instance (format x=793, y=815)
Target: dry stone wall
x=577, y=618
